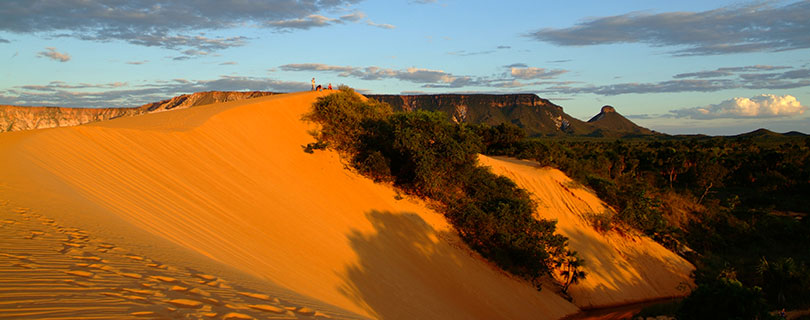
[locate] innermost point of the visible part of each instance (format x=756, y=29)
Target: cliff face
x=201, y=98
x=537, y=116
x=16, y=118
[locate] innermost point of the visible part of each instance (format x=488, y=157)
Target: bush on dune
x=424, y=154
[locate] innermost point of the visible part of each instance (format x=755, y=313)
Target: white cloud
x=380, y=25
x=528, y=73
x=122, y=94
x=54, y=55
x=759, y=26
x=430, y=78
x=170, y=24
x=762, y=106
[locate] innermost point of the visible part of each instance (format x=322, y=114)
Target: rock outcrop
x=17, y=118
x=609, y=122
x=535, y=115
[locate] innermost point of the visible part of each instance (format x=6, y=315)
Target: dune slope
x=622, y=268
x=230, y=182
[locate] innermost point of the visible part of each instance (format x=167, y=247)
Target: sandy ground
x=622, y=268
x=217, y=212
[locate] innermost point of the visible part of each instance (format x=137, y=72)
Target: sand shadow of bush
x=409, y=270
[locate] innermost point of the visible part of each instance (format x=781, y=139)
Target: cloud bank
x=433, y=78
x=757, y=27
x=762, y=106
x=747, y=77
x=170, y=24
x=119, y=94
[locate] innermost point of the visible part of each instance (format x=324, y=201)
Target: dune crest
x=621, y=268
x=231, y=182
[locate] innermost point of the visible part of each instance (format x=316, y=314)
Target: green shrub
x=340, y=115
x=602, y=222
x=724, y=299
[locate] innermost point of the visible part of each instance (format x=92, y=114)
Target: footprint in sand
x=267, y=308
x=130, y=275
x=80, y=273
x=88, y=258
x=164, y=279
x=151, y=289
x=185, y=303
x=136, y=258
x=178, y=289
x=144, y=314
x=236, y=316
x=78, y=283
x=259, y=296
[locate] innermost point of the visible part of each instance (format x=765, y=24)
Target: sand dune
x=621, y=268
x=217, y=209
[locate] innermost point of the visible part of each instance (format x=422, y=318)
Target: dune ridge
x=19, y=118
x=622, y=268
x=230, y=181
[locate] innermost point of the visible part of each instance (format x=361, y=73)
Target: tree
x=571, y=269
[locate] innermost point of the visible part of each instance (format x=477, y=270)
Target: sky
x=679, y=67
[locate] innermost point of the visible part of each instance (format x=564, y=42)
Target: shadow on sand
x=390, y=280
x=409, y=270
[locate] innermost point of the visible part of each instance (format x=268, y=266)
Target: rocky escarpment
x=17, y=118
x=537, y=116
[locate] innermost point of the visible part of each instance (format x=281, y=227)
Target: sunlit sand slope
x=231, y=182
x=621, y=268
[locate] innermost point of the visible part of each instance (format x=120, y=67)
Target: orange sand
x=621, y=268
x=216, y=211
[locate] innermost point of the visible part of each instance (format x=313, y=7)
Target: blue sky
x=724, y=67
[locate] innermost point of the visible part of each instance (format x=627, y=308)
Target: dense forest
x=736, y=207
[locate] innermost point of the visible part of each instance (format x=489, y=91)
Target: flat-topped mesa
x=18, y=118
x=413, y=102
x=537, y=116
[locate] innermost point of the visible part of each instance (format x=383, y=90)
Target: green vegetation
x=424, y=154
x=735, y=206
x=724, y=299
x=736, y=203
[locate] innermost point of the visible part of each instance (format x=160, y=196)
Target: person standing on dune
x=313, y=84
x=330, y=86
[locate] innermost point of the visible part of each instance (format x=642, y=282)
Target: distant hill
x=18, y=118
x=537, y=116
x=795, y=134
x=611, y=121
x=768, y=135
